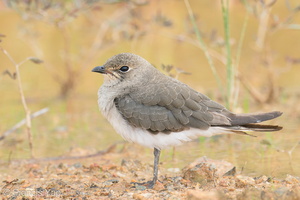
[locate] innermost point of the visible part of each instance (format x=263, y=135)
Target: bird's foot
x=146, y=185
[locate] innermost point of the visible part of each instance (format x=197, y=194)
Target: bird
x=157, y=111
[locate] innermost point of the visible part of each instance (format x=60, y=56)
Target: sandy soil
x=100, y=177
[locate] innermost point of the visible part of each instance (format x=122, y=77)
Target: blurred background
x=243, y=54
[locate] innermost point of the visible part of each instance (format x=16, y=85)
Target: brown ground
x=100, y=177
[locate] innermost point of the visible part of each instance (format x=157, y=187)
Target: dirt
x=101, y=177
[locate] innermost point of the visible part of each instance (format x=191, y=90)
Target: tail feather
x=245, y=119
x=242, y=130
x=241, y=123
x=262, y=127
x=252, y=127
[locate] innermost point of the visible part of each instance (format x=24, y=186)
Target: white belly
x=142, y=136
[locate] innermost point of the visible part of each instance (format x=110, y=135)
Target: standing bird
x=154, y=110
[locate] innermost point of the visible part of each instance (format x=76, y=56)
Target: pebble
x=261, y=179
x=202, y=195
x=77, y=165
x=243, y=181
x=110, y=182
x=174, y=170
x=291, y=179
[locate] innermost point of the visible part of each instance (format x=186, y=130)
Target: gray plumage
x=157, y=111
x=159, y=103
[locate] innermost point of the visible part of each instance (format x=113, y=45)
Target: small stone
x=138, y=196
x=243, y=181
x=219, y=167
x=176, y=179
x=110, y=182
x=224, y=183
x=120, y=174
x=120, y=187
x=158, y=186
x=200, y=173
x=60, y=165
x=265, y=194
x=147, y=195
x=281, y=191
x=202, y=195
x=261, y=179
x=30, y=192
x=40, y=189
x=129, y=195
x=93, y=185
x=77, y=165
x=53, y=192
x=291, y=179
x=140, y=187
x=174, y=170
x=231, y=172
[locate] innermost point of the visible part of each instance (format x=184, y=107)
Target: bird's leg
x=151, y=183
x=156, y=153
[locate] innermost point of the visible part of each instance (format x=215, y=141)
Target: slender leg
x=151, y=183
x=155, y=167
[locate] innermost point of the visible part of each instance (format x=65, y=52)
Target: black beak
x=99, y=69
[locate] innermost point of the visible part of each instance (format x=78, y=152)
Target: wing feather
x=172, y=107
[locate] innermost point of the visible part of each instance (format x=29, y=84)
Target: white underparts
x=145, y=138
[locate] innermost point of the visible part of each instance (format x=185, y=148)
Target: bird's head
x=125, y=69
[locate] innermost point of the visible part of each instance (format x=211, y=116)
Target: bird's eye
x=124, y=69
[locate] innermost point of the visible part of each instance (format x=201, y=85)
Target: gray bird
x=154, y=110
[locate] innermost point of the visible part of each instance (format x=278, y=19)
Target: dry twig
x=22, y=122
x=21, y=91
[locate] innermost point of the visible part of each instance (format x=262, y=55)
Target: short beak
x=100, y=69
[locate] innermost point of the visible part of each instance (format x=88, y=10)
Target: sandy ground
x=100, y=177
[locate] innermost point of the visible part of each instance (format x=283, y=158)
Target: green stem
x=238, y=55
x=229, y=68
x=241, y=40
x=202, y=44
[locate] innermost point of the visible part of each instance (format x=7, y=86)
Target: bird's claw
x=148, y=184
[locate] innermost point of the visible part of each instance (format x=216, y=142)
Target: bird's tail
x=248, y=122
x=262, y=127
x=243, y=119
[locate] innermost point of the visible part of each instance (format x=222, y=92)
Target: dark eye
x=124, y=69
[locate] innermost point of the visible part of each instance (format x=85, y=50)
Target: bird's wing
x=171, y=106
x=153, y=118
